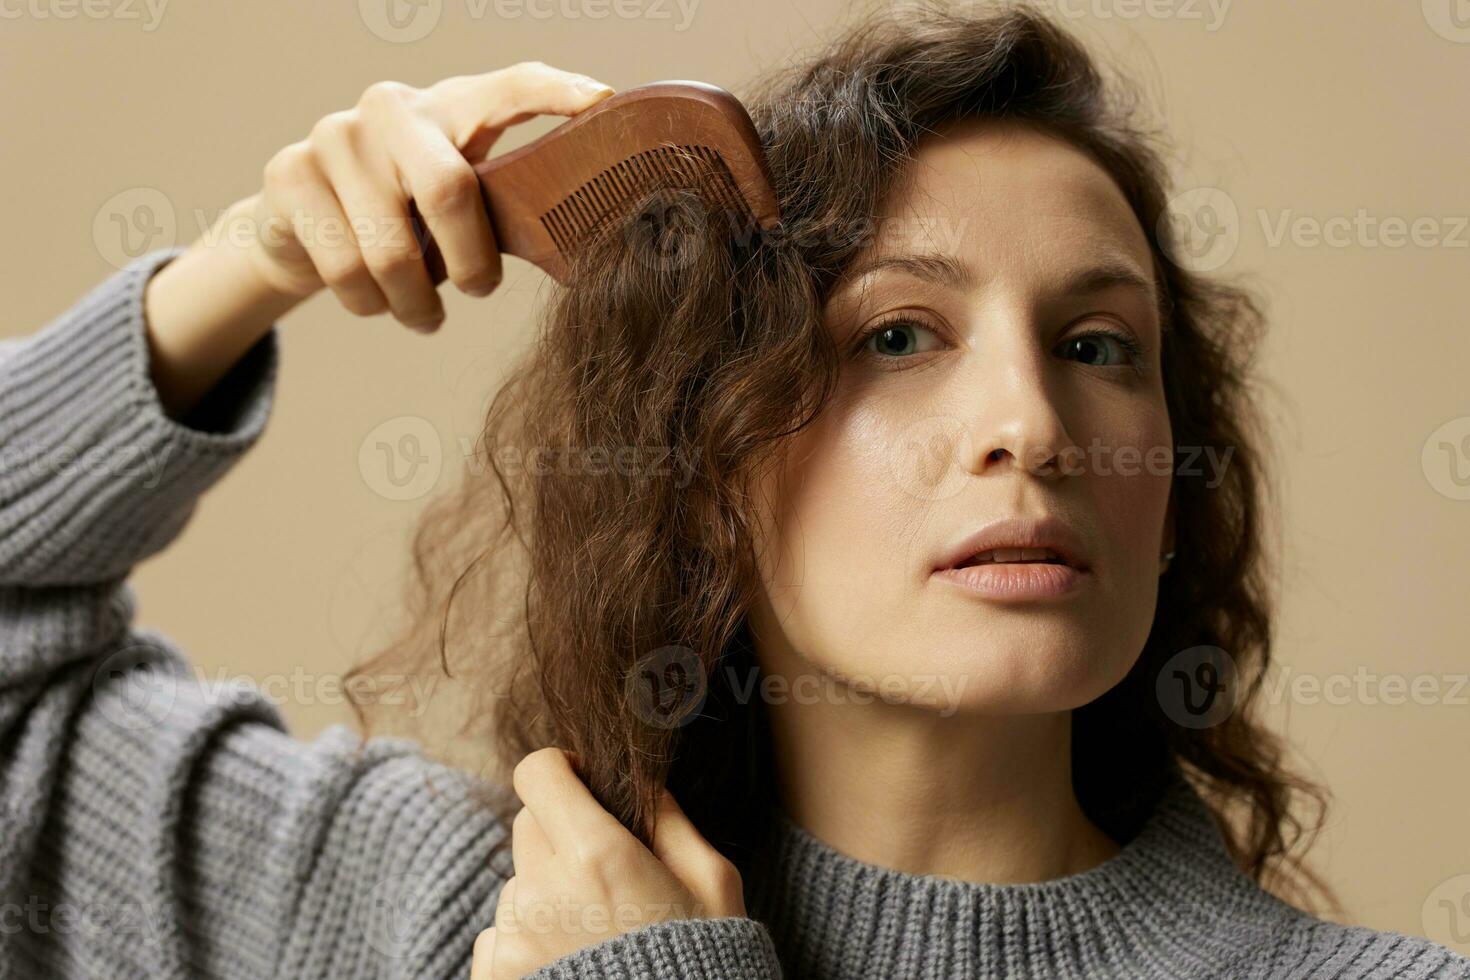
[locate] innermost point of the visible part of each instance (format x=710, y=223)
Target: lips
x=1014, y=556
x=1018, y=540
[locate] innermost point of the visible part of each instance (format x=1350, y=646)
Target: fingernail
x=593, y=87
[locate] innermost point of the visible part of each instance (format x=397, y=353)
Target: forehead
x=1006, y=194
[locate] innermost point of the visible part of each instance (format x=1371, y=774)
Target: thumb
x=707, y=874
x=484, y=955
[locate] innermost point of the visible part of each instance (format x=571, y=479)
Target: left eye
x=1089, y=348
x=898, y=338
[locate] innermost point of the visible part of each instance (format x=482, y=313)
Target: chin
x=1038, y=672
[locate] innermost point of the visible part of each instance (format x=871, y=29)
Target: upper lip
x=1019, y=532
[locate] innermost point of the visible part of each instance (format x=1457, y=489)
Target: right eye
x=897, y=337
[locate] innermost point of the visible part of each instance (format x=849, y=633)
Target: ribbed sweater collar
x=1171, y=903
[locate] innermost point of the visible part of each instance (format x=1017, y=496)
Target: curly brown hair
x=690, y=352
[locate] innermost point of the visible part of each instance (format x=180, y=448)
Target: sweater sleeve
x=152, y=824
x=155, y=825
x=729, y=948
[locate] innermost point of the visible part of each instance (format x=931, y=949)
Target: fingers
x=573, y=821
x=378, y=215
x=474, y=109
x=702, y=869
x=530, y=847
x=484, y=955
x=300, y=194
x=447, y=191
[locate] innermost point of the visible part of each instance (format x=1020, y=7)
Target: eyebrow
x=945, y=270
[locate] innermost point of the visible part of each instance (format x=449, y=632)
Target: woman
x=905, y=646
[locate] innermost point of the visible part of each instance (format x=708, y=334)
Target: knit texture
x=157, y=827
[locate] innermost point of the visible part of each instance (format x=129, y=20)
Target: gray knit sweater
x=156, y=828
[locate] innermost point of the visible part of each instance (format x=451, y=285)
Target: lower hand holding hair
x=581, y=877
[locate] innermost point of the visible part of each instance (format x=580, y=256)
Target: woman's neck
x=979, y=798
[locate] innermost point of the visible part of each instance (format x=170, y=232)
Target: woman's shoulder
x=1314, y=947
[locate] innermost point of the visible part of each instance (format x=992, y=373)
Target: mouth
x=1013, y=556
x=1017, y=559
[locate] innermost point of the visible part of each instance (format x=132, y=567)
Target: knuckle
x=449, y=188
x=726, y=881
x=387, y=262
x=606, y=855
x=334, y=127
x=291, y=166
x=343, y=271
x=385, y=93
x=535, y=765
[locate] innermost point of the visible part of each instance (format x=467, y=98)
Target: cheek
x=844, y=526
x=1130, y=467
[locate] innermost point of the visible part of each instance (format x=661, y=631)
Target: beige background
x=1308, y=110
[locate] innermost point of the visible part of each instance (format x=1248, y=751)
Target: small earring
x=1164, y=560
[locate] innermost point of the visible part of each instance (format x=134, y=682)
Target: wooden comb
x=560, y=192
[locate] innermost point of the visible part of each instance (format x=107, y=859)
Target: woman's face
x=1014, y=373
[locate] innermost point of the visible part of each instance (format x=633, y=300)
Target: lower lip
x=1016, y=581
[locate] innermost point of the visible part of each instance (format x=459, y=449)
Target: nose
x=1015, y=419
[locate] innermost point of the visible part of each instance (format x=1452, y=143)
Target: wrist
x=207, y=307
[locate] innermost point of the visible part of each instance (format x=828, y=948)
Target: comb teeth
x=585, y=213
